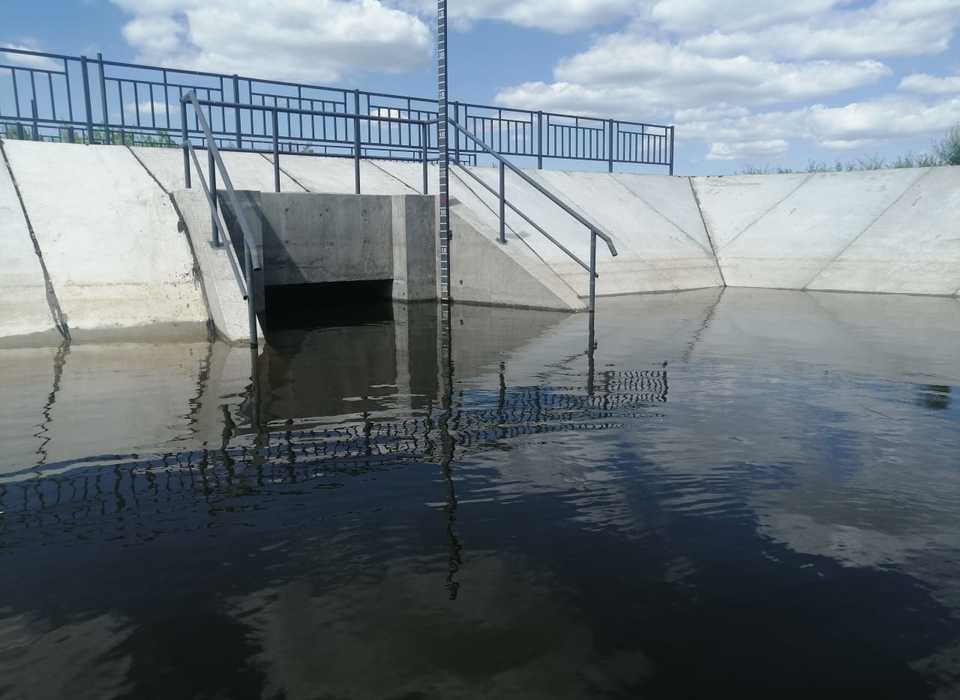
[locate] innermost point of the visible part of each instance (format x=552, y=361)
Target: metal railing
x=57, y=97
x=422, y=127
x=503, y=164
x=251, y=258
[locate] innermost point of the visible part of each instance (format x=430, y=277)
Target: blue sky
x=747, y=82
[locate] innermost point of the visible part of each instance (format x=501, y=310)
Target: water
x=749, y=493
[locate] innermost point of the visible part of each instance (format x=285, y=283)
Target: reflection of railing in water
x=322, y=457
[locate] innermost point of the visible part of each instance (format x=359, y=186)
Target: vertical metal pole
x=423, y=154
x=86, y=97
x=36, y=128
x=593, y=271
x=456, y=133
x=276, y=151
x=444, y=155
x=212, y=169
x=356, y=141
x=236, y=98
x=103, y=100
x=251, y=293
x=610, y=146
x=540, y=140
x=672, y=134
x=186, y=145
x=503, y=203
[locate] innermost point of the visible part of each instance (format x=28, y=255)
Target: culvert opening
x=328, y=304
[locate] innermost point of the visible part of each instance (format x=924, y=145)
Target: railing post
x=186, y=145
x=672, y=134
x=356, y=141
x=236, y=98
x=276, y=150
x=539, y=140
x=456, y=133
x=593, y=271
x=610, y=146
x=503, y=203
x=251, y=293
x=103, y=100
x=212, y=169
x=423, y=155
x=35, y=128
x=86, y=97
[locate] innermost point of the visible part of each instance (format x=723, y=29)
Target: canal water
x=739, y=493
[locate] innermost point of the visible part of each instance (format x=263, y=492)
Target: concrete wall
x=108, y=236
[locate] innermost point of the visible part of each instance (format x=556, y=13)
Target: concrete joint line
x=298, y=183
x=706, y=229
x=514, y=232
x=772, y=207
x=666, y=218
x=144, y=166
x=868, y=227
x=387, y=172
x=56, y=312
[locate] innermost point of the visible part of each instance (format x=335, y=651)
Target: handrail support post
x=424, y=155
x=593, y=271
x=276, y=150
x=503, y=203
x=186, y=145
x=212, y=179
x=356, y=141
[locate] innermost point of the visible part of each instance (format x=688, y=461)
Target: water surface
x=751, y=493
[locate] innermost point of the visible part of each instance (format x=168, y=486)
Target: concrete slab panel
x=23, y=294
x=732, y=204
x=913, y=248
x=110, y=239
x=248, y=171
x=336, y=175
x=222, y=291
x=789, y=246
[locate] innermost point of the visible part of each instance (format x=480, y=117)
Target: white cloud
x=302, y=40
x=695, y=16
x=887, y=117
x=552, y=15
x=746, y=149
x=926, y=84
x=885, y=28
x=39, y=62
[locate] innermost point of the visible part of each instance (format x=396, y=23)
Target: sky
x=748, y=83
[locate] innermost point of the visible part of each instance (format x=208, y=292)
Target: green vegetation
x=117, y=137
x=946, y=151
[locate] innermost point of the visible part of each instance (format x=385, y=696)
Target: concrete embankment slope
x=891, y=231
x=109, y=239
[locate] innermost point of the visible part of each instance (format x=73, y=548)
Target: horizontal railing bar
x=540, y=188
x=48, y=71
x=309, y=112
x=526, y=218
x=44, y=54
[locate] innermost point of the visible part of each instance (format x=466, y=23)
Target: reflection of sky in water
x=761, y=493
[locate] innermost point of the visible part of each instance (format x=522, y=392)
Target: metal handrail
x=594, y=228
x=250, y=256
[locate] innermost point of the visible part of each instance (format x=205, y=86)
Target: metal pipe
x=593, y=271
x=672, y=134
x=539, y=140
x=356, y=141
x=503, y=206
x=212, y=179
x=610, y=146
x=103, y=101
x=423, y=151
x=236, y=113
x=84, y=71
x=251, y=294
x=540, y=188
x=276, y=151
x=186, y=145
x=35, y=129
